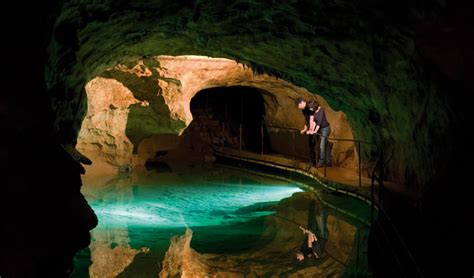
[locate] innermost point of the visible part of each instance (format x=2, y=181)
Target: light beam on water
x=185, y=205
x=225, y=217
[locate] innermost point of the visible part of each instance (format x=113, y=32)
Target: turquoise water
x=223, y=207
x=171, y=206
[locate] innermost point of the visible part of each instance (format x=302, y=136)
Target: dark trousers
x=324, y=157
x=312, y=145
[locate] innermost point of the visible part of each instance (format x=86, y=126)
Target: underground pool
x=138, y=216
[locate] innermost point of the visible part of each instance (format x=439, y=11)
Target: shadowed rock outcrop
x=45, y=218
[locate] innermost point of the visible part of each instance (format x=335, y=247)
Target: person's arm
x=310, y=240
x=312, y=125
x=318, y=120
x=311, y=236
x=304, y=129
x=316, y=129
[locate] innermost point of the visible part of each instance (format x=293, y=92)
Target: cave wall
x=44, y=218
x=361, y=58
x=111, y=32
x=132, y=108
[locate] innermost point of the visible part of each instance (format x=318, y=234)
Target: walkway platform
x=335, y=177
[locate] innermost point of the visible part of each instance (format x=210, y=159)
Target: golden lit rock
x=149, y=103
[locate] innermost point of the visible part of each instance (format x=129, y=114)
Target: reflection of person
x=308, y=109
x=310, y=246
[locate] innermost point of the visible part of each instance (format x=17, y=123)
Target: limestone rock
x=136, y=110
x=181, y=260
x=110, y=262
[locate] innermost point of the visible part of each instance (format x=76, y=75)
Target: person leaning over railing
x=324, y=129
x=308, y=109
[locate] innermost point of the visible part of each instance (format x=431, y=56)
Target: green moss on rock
x=339, y=50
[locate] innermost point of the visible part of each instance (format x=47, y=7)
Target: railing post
x=326, y=143
x=240, y=138
x=380, y=194
x=261, y=134
x=360, y=165
x=226, y=112
x=316, y=148
x=380, y=181
x=294, y=144
x=223, y=135
x=226, y=122
x=358, y=243
x=241, y=120
x=372, y=204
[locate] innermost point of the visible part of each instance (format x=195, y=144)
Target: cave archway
x=136, y=109
x=224, y=114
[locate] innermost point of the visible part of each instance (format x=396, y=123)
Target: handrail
x=336, y=139
x=356, y=141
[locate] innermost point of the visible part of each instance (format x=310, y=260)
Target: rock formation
x=111, y=261
x=132, y=110
x=366, y=65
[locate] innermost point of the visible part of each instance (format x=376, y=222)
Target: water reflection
x=138, y=214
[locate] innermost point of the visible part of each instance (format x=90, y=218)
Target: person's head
x=300, y=256
x=315, y=104
x=300, y=103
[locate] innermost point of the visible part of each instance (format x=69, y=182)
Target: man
x=308, y=109
x=316, y=122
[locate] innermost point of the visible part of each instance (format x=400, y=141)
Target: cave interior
x=123, y=95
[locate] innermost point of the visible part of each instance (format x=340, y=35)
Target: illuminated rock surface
x=145, y=105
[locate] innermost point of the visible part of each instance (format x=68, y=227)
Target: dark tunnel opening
x=228, y=113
